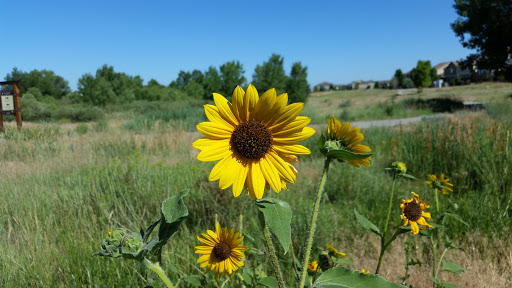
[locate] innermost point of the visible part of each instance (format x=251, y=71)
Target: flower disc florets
x=222, y=251
x=412, y=211
x=251, y=139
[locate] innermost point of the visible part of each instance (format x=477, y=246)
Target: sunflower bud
x=325, y=261
x=120, y=242
x=400, y=168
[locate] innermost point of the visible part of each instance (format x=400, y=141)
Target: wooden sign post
x=10, y=103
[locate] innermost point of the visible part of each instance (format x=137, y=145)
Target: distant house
x=440, y=68
x=363, y=85
x=324, y=86
x=454, y=71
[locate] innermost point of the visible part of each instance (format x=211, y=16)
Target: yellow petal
x=255, y=182
x=276, y=110
x=250, y=100
x=292, y=149
x=414, y=227
x=241, y=174
x=214, y=130
x=238, y=104
x=284, y=169
x=296, y=137
x=360, y=149
x=343, y=129
x=225, y=109
x=230, y=172
x=212, y=113
x=215, y=152
x=265, y=103
x=287, y=116
x=270, y=173
x=219, y=168
x=295, y=126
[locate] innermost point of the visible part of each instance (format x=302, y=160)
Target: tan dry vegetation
x=76, y=151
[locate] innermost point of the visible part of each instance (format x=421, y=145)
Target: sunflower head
x=441, y=184
x=313, y=266
x=221, y=251
x=335, y=252
x=343, y=137
x=412, y=213
x=255, y=138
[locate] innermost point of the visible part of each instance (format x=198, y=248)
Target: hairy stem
x=383, y=238
x=314, y=216
x=155, y=267
x=273, y=256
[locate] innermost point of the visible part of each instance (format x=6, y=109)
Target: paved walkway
x=381, y=123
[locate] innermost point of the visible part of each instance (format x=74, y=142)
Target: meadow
x=65, y=185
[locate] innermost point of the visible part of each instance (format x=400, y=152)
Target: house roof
x=324, y=84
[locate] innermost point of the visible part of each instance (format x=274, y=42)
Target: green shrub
x=81, y=129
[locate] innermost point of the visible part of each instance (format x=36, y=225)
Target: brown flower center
x=413, y=211
x=252, y=139
x=222, y=251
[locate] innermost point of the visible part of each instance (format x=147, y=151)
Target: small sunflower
x=348, y=139
x=313, y=266
x=400, y=168
x=333, y=250
x=441, y=184
x=255, y=139
x=221, y=251
x=412, y=213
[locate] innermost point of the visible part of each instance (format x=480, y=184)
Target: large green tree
x=298, y=87
x=421, y=75
x=212, y=82
x=270, y=75
x=485, y=25
x=232, y=74
x=46, y=81
x=400, y=78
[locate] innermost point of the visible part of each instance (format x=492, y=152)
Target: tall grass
x=70, y=189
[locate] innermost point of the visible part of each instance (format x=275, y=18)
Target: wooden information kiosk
x=10, y=103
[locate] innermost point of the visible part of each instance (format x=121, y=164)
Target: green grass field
x=64, y=186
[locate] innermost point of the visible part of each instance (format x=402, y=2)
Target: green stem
x=158, y=271
x=440, y=261
x=312, y=225
x=389, y=207
x=433, y=257
x=273, y=257
x=437, y=201
x=383, y=238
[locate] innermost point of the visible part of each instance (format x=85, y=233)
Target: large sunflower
x=349, y=139
x=441, y=184
x=255, y=139
x=222, y=251
x=412, y=213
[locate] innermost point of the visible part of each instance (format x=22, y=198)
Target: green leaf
x=193, y=280
x=452, y=267
x=342, y=277
x=366, y=223
x=456, y=217
x=346, y=155
x=278, y=217
x=269, y=282
x=343, y=261
x=409, y=176
x=321, y=142
x=174, y=212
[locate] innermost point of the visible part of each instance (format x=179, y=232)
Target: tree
x=485, y=25
x=232, y=74
x=400, y=77
x=212, y=82
x=421, y=75
x=433, y=74
x=270, y=75
x=298, y=86
x=46, y=81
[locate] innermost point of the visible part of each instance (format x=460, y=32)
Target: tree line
x=107, y=86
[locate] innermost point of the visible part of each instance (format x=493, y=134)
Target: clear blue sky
x=339, y=41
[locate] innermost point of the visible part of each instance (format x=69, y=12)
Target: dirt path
x=381, y=123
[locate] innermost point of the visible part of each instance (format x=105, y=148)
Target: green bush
x=81, y=129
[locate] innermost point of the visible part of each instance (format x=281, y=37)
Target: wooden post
x=1, y=117
x=17, y=105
